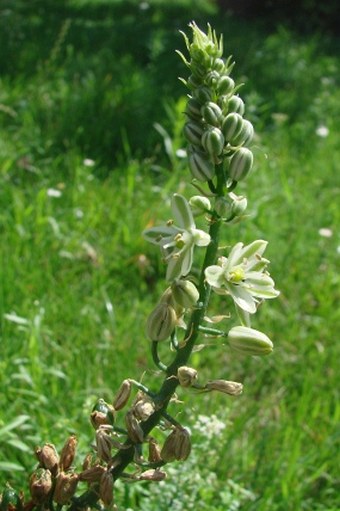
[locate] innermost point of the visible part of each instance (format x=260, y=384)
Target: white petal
x=242, y=298
x=201, y=238
x=256, y=247
x=182, y=212
x=235, y=256
x=155, y=234
x=214, y=275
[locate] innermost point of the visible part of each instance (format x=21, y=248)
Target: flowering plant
x=125, y=446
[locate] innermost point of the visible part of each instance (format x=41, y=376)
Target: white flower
x=242, y=275
x=177, y=241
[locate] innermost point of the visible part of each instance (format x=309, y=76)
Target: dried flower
x=122, y=395
x=104, y=444
x=65, y=487
x=152, y=475
x=228, y=387
x=68, y=453
x=186, y=376
x=106, y=488
x=40, y=485
x=48, y=457
x=133, y=427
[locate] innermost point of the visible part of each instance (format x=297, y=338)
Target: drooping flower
x=177, y=242
x=243, y=276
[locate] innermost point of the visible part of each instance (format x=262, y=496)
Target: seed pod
x=185, y=293
x=225, y=85
x=193, y=109
x=65, y=487
x=186, y=376
x=212, y=113
x=143, y=408
x=168, y=449
x=106, y=488
x=122, y=395
x=161, y=322
x=68, y=453
x=235, y=104
x=200, y=166
x=245, y=135
x=103, y=444
x=213, y=141
x=193, y=132
x=92, y=474
x=48, y=457
x=231, y=126
x=40, y=485
x=133, y=427
x=249, y=341
x=232, y=388
x=240, y=164
x=182, y=444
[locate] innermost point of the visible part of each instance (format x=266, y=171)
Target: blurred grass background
x=84, y=168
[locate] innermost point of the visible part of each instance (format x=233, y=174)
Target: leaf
x=7, y=466
x=18, y=421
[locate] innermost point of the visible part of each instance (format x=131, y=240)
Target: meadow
x=91, y=145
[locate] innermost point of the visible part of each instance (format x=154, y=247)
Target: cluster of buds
x=215, y=127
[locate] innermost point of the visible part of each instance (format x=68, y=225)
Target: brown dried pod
x=143, y=407
x=122, y=395
x=154, y=451
x=68, y=453
x=92, y=474
x=40, y=485
x=133, y=427
x=104, y=444
x=186, y=376
x=48, y=457
x=106, y=488
x=232, y=388
x=65, y=487
x=152, y=475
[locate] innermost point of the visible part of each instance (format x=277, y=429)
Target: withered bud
x=143, y=408
x=232, y=388
x=186, y=376
x=106, y=488
x=40, y=485
x=48, y=457
x=92, y=474
x=68, y=453
x=133, y=427
x=87, y=462
x=104, y=444
x=65, y=487
x=177, y=446
x=99, y=419
x=168, y=449
x=122, y=395
x=154, y=451
x=152, y=475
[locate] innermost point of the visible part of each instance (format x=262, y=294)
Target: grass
x=77, y=280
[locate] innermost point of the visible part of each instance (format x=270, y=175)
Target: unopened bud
x=193, y=109
x=212, y=78
x=213, y=142
x=48, y=457
x=227, y=387
x=240, y=164
x=185, y=293
x=152, y=475
x=92, y=474
x=40, y=485
x=106, y=488
x=225, y=85
x=161, y=322
x=193, y=132
x=245, y=135
x=249, y=341
x=65, y=487
x=231, y=126
x=133, y=427
x=238, y=205
x=103, y=444
x=212, y=113
x=235, y=104
x=154, y=451
x=202, y=94
x=200, y=166
x=186, y=376
x=68, y=453
x=199, y=205
x=122, y=395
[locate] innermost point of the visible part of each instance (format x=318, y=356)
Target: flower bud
x=194, y=81
x=106, y=488
x=218, y=65
x=212, y=78
x=227, y=387
x=223, y=207
x=240, y=164
x=133, y=427
x=102, y=414
x=199, y=205
x=213, y=141
x=186, y=376
x=212, y=113
x=193, y=132
x=225, y=86
x=92, y=474
x=65, y=487
x=185, y=293
x=48, y=457
x=245, y=135
x=161, y=322
x=202, y=94
x=231, y=126
x=235, y=104
x=40, y=486
x=238, y=205
x=68, y=453
x=200, y=166
x=122, y=395
x=249, y=341
x=193, y=109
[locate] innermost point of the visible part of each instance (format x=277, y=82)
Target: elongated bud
x=240, y=164
x=92, y=474
x=186, y=376
x=154, y=451
x=213, y=142
x=123, y=395
x=161, y=322
x=106, y=488
x=201, y=167
x=40, y=486
x=225, y=86
x=103, y=444
x=68, y=453
x=199, y=205
x=231, y=126
x=245, y=135
x=212, y=113
x=133, y=427
x=249, y=341
x=232, y=388
x=65, y=487
x=152, y=475
x=235, y=104
x=193, y=133
x=185, y=293
x=48, y=457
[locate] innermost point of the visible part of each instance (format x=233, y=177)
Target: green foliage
x=77, y=280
